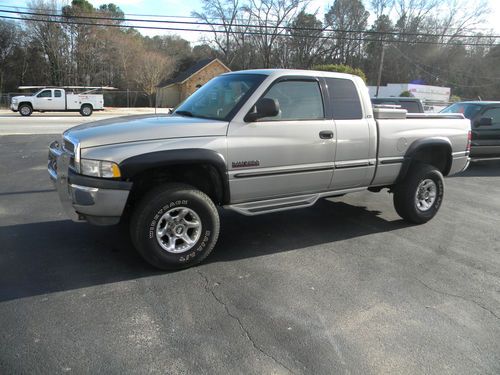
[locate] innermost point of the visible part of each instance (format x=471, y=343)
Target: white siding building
x=422, y=92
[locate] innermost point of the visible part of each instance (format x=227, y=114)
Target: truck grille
x=70, y=148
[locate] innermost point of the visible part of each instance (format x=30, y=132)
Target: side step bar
x=283, y=204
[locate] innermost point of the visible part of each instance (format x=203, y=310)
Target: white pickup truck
x=58, y=99
x=255, y=142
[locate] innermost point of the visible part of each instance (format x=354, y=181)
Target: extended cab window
x=298, y=100
x=57, y=93
x=345, y=99
x=45, y=94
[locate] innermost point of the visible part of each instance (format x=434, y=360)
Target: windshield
x=468, y=110
x=221, y=97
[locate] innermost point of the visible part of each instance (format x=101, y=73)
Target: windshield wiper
x=184, y=113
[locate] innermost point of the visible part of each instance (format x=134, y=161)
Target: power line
x=192, y=23
x=241, y=32
x=216, y=18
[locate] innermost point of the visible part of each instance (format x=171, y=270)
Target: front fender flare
x=134, y=165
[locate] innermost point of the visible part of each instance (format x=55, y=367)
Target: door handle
x=326, y=134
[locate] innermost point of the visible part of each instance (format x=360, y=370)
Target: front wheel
x=175, y=226
x=25, y=110
x=418, y=197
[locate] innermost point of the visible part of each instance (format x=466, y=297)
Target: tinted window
x=345, y=99
x=45, y=94
x=494, y=113
x=57, y=93
x=468, y=110
x=298, y=100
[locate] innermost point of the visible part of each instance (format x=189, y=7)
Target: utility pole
x=380, y=69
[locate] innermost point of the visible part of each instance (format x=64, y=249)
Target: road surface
x=344, y=287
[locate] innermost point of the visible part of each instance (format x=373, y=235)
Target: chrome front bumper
x=84, y=198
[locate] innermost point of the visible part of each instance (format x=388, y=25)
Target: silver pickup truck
x=255, y=142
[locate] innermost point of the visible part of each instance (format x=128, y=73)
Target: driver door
x=43, y=100
x=288, y=154
x=486, y=139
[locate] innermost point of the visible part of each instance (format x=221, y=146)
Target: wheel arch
x=202, y=168
x=25, y=103
x=436, y=151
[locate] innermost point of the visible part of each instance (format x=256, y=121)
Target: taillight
x=469, y=140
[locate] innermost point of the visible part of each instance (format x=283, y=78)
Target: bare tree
x=270, y=17
x=349, y=19
x=221, y=17
x=381, y=7
x=9, y=34
x=151, y=68
x=51, y=37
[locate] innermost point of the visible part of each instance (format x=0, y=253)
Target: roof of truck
x=478, y=102
x=299, y=72
x=398, y=98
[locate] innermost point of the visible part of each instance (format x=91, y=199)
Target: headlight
x=14, y=100
x=99, y=168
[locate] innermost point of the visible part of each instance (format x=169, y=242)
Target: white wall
x=423, y=92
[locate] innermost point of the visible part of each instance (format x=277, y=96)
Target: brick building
x=173, y=91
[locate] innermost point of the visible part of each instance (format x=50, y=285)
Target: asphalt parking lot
x=341, y=287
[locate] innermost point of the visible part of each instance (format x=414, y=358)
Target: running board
x=283, y=204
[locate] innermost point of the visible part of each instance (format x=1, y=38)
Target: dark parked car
x=485, y=122
x=412, y=105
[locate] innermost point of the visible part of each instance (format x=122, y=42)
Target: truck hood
x=143, y=127
x=20, y=97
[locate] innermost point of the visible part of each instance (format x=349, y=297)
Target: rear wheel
x=175, y=226
x=418, y=197
x=86, y=110
x=25, y=110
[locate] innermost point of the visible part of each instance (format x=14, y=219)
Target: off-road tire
x=86, y=110
x=406, y=193
x=25, y=110
x=159, y=201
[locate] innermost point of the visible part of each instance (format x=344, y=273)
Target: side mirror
x=484, y=121
x=265, y=107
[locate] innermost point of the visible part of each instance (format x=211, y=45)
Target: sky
x=185, y=7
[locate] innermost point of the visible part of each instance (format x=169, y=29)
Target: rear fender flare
x=418, y=146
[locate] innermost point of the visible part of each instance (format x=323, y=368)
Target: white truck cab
x=58, y=99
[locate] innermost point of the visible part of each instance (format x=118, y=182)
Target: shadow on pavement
x=47, y=257
x=482, y=168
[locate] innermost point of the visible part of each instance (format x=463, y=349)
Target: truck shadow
x=47, y=257
x=482, y=168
